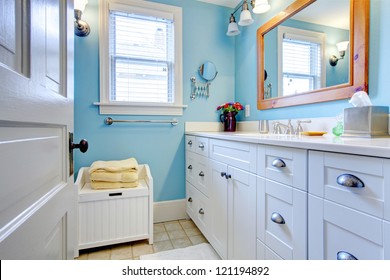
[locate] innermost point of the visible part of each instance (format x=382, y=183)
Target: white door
x=241, y=214
x=37, y=196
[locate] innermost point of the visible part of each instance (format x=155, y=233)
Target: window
x=301, y=60
x=140, y=58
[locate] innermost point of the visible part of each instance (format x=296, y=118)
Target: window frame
x=316, y=36
x=139, y=108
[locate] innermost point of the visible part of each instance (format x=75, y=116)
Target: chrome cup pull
x=189, y=143
x=278, y=163
x=342, y=255
x=277, y=218
x=223, y=174
x=201, y=211
x=189, y=199
x=189, y=167
x=201, y=174
x=349, y=180
x=201, y=146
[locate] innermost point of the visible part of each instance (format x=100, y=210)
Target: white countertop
x=378, y=147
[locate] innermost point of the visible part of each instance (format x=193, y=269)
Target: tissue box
x=369, y=121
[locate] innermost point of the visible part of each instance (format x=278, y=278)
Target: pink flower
x=230, y=107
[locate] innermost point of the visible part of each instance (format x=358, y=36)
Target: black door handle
x=83, y=145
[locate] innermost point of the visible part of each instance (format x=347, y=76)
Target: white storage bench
x=113, y=216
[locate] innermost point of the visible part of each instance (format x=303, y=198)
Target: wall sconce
x=258, y=7
x=81, y=28
x=341, y=47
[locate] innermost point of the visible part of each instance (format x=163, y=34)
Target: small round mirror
x=208, y=71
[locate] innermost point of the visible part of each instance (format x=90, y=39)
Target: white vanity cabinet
x=197, y=182
x=281, y=203
x=233, y=165
x=279, y=197
x=226, y=194
x=348, y=211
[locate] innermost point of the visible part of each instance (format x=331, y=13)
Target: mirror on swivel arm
x=208, y=72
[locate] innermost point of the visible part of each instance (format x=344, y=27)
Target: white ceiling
x=226, y=3
x=330, y=12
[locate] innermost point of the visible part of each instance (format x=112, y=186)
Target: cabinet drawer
x=237, y=154
x=333, y=176
x=198, y=209
x=284, y=165
x=337, y=231
x=202, y=146
x=190, y=143
x=197, y=172
x=281, y=219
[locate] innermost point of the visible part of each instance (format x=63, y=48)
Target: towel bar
x=109, y=121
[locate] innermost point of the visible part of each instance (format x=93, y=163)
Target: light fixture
x=81, y=28
x=261, y=6
x=341, y=47
x=245, y=16
x=258, y=7
x=233, y=27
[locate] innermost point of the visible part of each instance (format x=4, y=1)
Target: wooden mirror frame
x=358, y=77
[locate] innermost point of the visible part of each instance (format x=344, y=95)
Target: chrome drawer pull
x=201, y=146
x=278, y=163
x=189, y=166
x=189, y=199
x=342, y=255
x=201, y=211
x=277, y=218
x=189, y=143
x=349, y=180
x=223, y=174
x=201, y=174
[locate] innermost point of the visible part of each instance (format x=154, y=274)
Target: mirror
x=208, y=71
x=336, y=82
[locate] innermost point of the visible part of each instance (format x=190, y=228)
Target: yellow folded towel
x=129, y=164
x=113, y=185
x=124, y=177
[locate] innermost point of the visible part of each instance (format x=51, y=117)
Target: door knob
x=83, y=145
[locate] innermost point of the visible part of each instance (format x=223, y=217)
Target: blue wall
x=204, y=28
x=160, y=145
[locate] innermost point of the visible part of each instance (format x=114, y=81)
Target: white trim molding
x=170, y=210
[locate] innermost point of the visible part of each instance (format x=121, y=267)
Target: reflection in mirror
x=295, y=48
x=208, y=71
x=300, y=47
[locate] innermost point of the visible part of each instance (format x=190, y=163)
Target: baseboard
x=169, y=210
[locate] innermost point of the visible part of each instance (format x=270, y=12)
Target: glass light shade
x=245, y=18
x=261, y=6
x=80, y=5
x=233, y=29
x=342, y=46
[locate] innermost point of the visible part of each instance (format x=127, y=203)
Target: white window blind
x=141, y=50
x=302, y=61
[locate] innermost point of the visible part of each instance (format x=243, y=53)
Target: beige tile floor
x=167, y=236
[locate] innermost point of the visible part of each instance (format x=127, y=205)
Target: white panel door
x=37, y=195
x=241, y=215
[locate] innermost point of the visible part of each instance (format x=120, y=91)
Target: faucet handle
x=290, y=128
x=299, y=126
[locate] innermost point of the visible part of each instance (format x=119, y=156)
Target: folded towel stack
x=114, y=174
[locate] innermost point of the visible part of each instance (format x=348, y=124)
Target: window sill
x=124, y=108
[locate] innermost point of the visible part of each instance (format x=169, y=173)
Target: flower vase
x=229, y=121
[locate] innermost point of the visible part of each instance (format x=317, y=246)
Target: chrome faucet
x=288, y=128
